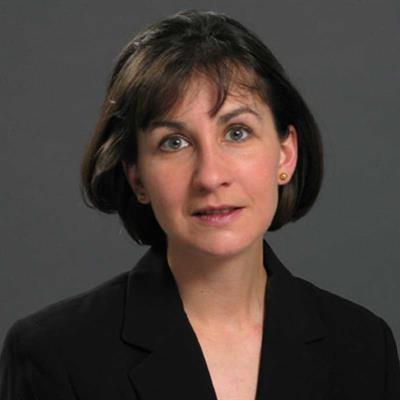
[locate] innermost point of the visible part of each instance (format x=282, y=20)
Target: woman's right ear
x=131, y=173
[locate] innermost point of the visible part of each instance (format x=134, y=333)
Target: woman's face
x=189, y=160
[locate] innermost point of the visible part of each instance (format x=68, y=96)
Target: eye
x=175, y=141
x=237, y=132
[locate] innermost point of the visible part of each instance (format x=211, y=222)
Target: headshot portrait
x=210, y=216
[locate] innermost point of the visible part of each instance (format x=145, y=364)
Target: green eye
x=238, y=132
x=174, y=140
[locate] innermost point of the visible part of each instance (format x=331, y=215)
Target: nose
x=212, y=168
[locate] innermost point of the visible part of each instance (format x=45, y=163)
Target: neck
x=224, y=294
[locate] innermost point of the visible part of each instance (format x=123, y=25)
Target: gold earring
x=283, y=176
x=141, y=196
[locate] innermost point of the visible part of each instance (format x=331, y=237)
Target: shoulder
x=336, y=306
x=350, y=324
x=71, y=342
x=361, y=343
x=95, y=311
x=335, y=309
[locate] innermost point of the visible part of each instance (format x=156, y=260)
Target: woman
x=202, y=146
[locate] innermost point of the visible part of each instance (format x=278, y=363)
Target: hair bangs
x=166, y=89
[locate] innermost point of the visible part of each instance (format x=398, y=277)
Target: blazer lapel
x=295, y=358
x=294, y=355
x=156, y=322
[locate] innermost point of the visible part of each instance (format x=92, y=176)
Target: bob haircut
x=150, y=77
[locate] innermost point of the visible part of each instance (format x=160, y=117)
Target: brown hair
x=148, y=80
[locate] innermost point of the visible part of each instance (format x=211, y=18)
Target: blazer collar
x=294, y=354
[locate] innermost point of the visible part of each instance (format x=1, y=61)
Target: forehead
x=203, y=95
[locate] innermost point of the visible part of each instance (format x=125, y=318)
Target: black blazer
x=131, y=339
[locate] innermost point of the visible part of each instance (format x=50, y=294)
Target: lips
x=219, y=219
x=215, y=210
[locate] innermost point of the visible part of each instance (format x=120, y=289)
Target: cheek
x=166, y=191
x=262, y=167
x=263, y=185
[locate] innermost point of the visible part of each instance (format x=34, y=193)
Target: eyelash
x=231, y=129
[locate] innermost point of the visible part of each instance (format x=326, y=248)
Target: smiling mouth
x=222, y=211
x=218, y=218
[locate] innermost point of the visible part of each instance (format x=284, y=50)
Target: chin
x=223, y=246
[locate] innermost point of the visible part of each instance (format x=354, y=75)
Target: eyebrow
x=223, y=119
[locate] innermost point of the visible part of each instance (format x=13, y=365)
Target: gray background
x=56, y=57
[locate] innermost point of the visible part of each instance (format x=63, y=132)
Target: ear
x=133, y=178
x=288, y=155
